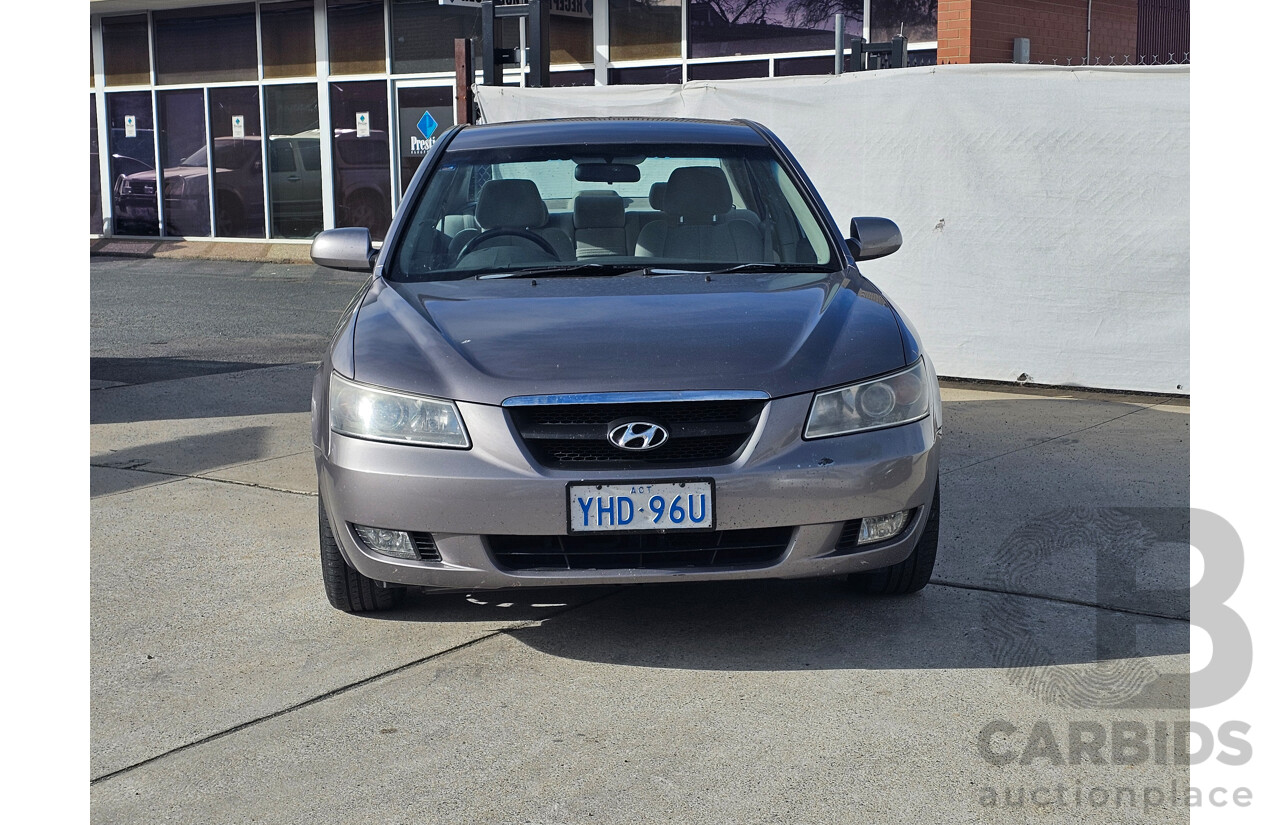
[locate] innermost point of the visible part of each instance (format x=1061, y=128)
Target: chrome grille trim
x=635, y=397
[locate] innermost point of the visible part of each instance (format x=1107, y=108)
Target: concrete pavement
x=224, y=689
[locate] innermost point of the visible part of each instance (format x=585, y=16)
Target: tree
x=735, y=12
x=888, y=17
x=817, y=14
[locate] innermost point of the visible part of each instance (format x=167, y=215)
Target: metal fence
x=1170, y=59
x=1164, y=26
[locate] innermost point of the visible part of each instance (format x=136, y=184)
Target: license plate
x=679, y=505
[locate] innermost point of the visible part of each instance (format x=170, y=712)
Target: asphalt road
x=157, y=320
x=225, y=689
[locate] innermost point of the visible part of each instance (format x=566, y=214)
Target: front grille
x=848, y=541
x=574, y=436
x=713, y=450
x=642, y=551
x=425, y=544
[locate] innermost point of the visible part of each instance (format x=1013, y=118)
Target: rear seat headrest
x=599, y=210
x=656, y=194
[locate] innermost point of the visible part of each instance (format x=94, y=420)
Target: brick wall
x=954, y=28
x=982, y=31
x=1115, y=30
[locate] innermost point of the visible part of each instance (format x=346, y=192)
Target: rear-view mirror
x=607, y=172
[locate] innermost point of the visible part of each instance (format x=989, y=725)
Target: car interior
x=481, y=220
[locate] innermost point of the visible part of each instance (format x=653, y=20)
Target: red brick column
x=954, y=31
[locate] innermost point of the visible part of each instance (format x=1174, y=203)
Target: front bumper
x=494, y=488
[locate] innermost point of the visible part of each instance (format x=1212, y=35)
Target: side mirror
x=873, y=238
x=348, y=248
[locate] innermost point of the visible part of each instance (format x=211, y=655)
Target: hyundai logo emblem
x=638, y=435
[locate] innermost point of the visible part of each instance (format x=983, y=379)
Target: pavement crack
x=1056, y=437
x=339, y=691
x=1058, y=599
x=252, y=462
x=179, y=476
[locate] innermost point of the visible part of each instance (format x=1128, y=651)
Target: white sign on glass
x=560, y=8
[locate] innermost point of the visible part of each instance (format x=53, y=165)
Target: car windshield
x=609, y=210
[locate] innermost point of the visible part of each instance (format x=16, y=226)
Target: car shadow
x=820, y=624
x=187, y=456
x=1094, y=590
x=216, y=389
x=165, y=368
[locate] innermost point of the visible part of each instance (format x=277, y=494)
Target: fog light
x=879, y=528
x=387, y=542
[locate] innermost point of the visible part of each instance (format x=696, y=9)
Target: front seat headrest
x=697, y=193
x=510, y=204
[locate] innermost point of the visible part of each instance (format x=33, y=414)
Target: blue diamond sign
x=427, y=125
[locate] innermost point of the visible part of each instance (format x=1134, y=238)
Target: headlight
x=883, y=402
x=383, y=415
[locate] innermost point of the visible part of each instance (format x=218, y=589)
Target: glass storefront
x=574, y=77
x=423, y=31
x=235, y=121
x=184, y=162
x=95, y=171
x=643, y=75
x=207, y=45
x=124, y=50
x=791, y=66
x=236, y=92
x=289, y=39
x=132, y=151
x=724, y=28
x=644, y=29
x=357, y=40
x=293, y=161
x=416, y=134
x=361, y=155
x=571, y=34
x=728, y=70
x=916, y=19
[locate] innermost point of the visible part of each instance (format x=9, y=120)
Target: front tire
x=347, y=588
x=912, y=573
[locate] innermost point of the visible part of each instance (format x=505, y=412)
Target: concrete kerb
x=281, y=252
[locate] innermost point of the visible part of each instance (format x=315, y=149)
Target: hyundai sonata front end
x=620, y=351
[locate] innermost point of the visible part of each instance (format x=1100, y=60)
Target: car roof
x=606, y=130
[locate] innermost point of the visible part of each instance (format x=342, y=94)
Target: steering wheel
x=490, y=234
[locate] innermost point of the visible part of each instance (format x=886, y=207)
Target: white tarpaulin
x=1045, y=210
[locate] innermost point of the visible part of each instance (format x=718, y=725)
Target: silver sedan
x=620, y=351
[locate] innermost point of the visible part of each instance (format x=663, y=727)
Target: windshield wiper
x=566, y=270
x=766, y=267
x=570, y=270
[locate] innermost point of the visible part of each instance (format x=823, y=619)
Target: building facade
x=274, y=120
x=1065, y=32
